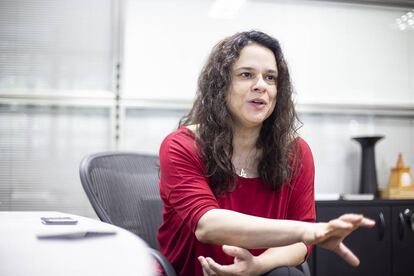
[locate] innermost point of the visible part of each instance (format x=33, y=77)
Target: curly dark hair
x=214, y=132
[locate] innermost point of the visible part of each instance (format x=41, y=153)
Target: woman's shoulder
x=180, y=147
x=182, y=138
x=303, y=150
x=302, y=145
x=181, y=132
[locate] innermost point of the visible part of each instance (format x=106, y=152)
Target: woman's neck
x=245, y=153
x=244, y=139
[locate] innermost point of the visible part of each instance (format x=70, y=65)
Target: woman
x=236, y=180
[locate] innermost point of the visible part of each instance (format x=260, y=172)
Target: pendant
x=243, y=173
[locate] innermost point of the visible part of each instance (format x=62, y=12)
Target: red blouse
x=187, y=196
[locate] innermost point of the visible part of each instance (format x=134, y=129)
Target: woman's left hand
x=334, y=233
x=244, y=263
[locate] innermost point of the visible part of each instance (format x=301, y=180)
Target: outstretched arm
x=219, y=226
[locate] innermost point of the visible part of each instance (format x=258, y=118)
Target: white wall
x=337, y=53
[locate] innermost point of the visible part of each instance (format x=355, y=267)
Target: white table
x=23, y=253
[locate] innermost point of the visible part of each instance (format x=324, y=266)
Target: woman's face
x=252, y=93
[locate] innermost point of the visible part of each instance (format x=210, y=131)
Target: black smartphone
x=59, y=220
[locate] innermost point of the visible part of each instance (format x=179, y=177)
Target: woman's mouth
x=258, y=102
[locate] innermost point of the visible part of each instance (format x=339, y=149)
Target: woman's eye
x=271, y=78
x=246, y=75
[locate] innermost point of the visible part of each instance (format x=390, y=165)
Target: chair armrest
x=305, y=268
x=165, y=264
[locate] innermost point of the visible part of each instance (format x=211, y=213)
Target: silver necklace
x=243, y=173
x=244, y=170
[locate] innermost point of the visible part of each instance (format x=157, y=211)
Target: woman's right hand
x=330, y=235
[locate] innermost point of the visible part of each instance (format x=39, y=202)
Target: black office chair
x=123, y=190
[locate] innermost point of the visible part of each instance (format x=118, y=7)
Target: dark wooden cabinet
x=385, y=250
x=402, y=242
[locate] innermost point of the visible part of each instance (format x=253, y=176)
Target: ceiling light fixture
x=406, y=21
x=225, y=9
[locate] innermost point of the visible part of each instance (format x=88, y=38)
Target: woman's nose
x=260, y=84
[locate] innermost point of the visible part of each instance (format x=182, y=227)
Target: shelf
x=106, y=98
x=383, y=110
x=60, y=98
x=395, y=110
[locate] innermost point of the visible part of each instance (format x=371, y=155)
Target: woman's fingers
x=339, y=227
x=243, y=263
x=237, y=252
x=357, y=220
x=351, y=218
x=220, y=269
x=327, y=230
x=345, y=253
x=368, y=223
x=207, y=271
x=339, y=224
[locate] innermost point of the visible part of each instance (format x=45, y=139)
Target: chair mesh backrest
x=123, y=190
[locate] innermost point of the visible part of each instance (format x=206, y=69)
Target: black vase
x=368, y=183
